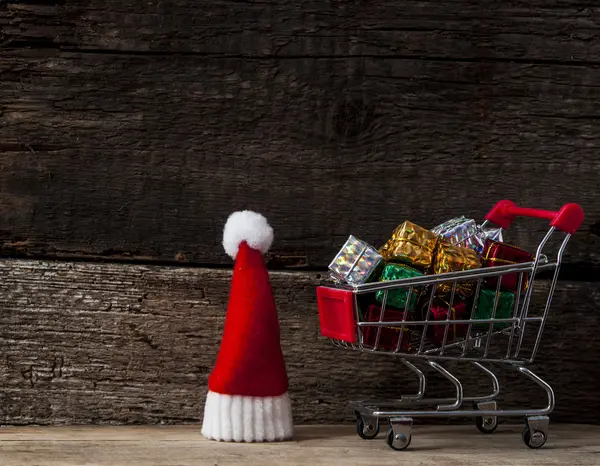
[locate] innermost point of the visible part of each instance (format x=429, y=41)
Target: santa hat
x=248, y=397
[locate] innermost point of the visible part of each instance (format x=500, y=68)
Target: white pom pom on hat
x=247, y=226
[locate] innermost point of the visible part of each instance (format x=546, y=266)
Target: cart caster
x=366, y=427
x=535, y=432
x=399, y=433
x=486, y=424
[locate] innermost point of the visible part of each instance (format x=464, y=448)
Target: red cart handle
x=567, y=219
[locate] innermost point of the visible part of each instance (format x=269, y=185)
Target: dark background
x=130, y=130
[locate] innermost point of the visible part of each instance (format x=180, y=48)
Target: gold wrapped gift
x=412, y=245
x=450, y=258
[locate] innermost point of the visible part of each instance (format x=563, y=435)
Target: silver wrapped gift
x=464, y=232
x=356, y=263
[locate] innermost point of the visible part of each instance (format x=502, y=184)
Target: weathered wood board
x=575, y=445
x=142, y=158
x=106, y=343
x=554, y=31
x=131, y=130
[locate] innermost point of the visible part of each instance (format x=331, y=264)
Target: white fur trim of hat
x=247, y=418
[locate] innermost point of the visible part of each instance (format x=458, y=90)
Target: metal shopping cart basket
x=511, y=342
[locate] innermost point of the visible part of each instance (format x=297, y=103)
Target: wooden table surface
x=326, y=445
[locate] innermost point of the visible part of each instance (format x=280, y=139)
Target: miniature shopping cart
x=510, y=342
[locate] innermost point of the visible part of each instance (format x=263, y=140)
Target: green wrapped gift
x=397, y=297
x=485, y=306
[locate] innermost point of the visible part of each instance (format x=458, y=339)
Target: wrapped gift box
x=485, y=307
x=389, y=336
x=439, y=312
x=398, y=297
x=410, y=244
x=449, y=258
x=465, y=232
x=496, y=254
x=356, y=263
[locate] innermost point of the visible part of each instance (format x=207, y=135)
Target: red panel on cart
x=336, y=313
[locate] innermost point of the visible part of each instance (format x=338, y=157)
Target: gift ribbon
x=505, y=261
x=508, y=246
x=497, y=259
x=453, y=315
x=404, y=329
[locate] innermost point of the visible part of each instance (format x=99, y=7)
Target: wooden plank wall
x=130, y=130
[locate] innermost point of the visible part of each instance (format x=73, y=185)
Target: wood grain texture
x=129, y=131
x=105, y=343
x=554, y=31
x=143, y=157
x=313, y=445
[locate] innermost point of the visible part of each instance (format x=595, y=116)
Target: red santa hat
x=248, y=397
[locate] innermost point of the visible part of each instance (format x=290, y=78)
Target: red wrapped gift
x=439, y=311
x=495, y=254
x=388, y=338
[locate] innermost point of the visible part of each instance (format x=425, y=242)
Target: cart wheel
x=486, y=425
x=535, y=439
x=369, y=430
x=398, y=442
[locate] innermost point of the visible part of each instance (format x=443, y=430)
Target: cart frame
x=347, y=330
